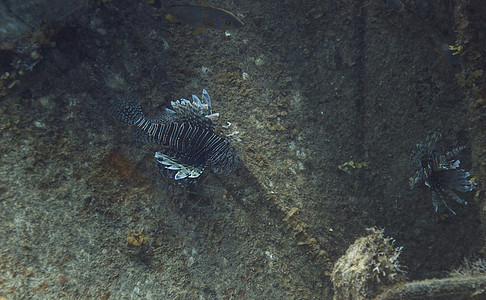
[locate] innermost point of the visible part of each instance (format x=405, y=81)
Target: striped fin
x=179, y=169
x=196, y=112
x=232, y=136
x=455, y=151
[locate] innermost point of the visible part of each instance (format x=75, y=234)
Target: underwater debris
x=135, y=238
x=438, y=171
x=189, y=134
x=203, y=17
x=467, y=282
x=354, y=165
x=368, y=265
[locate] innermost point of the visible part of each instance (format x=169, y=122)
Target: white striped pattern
x=192, y=141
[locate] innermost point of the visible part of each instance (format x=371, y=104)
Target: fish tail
x=128, y=111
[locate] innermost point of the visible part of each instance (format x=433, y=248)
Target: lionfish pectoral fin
x=194, y=174
x=180, y=175
x=455, y=197
x=183, y=170
x=172, y=166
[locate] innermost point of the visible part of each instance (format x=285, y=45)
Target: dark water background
x=310, y=85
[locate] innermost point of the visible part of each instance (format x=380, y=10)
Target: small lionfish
x=438, y=171
x=188, y=134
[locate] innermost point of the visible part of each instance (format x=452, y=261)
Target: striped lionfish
x=440, y=172
x=190, y=136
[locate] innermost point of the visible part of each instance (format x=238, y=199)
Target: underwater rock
x=369, y=264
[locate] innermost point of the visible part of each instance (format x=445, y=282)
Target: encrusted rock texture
x=310, y=87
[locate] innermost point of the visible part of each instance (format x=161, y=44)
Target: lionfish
x=192, y=142
x=440, y=172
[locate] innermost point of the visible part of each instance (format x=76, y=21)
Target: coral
x=470, y=268
x=369, y=264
